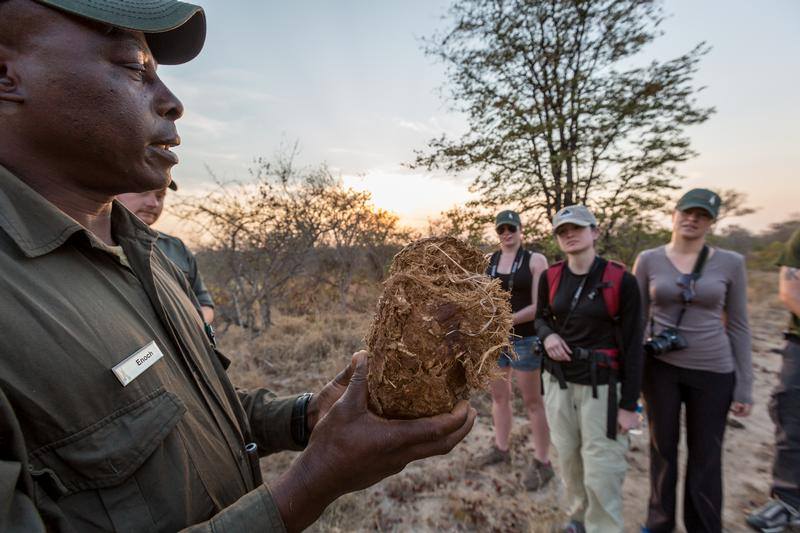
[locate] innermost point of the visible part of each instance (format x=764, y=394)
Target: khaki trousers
x=592, y=465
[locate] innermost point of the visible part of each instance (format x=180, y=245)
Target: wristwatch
x=299, y=423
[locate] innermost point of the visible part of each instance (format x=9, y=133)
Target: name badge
x=133, y=366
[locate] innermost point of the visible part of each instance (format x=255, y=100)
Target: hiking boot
x=773, y=517
x=538, y=476
x=575, y=527
x=494, y=456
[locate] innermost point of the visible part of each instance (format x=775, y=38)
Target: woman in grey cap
x=518, y=270
x=589, y=318
x=698, y=356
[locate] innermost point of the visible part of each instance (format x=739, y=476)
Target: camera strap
x=696, y=272
x=573, y=304
x=518, y=259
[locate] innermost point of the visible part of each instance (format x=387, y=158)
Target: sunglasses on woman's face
x=506, y=228
x=686, y=283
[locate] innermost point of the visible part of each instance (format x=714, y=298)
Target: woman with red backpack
x=589, y=318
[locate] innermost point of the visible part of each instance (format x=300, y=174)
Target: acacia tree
x=264, y=230
x=356, y=232
x=557, y=115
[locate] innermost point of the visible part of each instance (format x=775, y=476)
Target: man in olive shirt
x=784, y=509
x=148, y=206
x=115, y=410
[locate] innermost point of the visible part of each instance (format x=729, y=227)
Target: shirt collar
x=38, y=227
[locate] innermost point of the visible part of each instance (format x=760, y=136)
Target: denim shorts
x=528, y=357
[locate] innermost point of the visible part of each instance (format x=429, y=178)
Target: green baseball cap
x=175, y=31
x=507, y=217
x=574, y=214
x=704, y=199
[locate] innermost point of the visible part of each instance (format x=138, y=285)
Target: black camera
x=669, y=340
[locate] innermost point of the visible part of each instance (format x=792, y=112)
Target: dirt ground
x=450, y=493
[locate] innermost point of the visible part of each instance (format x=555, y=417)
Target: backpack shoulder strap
x=554, y=272
x=491, y=270
x=612, y=287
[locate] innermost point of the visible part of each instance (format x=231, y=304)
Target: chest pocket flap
x=110, y=450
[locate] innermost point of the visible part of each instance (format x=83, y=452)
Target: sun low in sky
x=349, y=81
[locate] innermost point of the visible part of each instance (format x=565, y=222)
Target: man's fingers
x=444, y=444
x=430, y=429
x=343, y=377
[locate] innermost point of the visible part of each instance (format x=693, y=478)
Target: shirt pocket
x=105, y=456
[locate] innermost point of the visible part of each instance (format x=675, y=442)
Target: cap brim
x=507, y=223
x=581, y=223
x=696, y=205
x=175, y=31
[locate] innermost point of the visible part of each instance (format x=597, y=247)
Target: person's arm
x=199, y=288
x=738, y=331
x=17, y=510
x=270, y=420
x=632, y=331
x=556, y=348
x=542, y=321
x=537, y=265
x=641, y=271
x=789, y=288
x=350, y=449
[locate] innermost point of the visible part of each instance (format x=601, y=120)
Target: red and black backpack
x=611, y=291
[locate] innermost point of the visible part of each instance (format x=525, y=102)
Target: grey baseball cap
x=574, y=214
x=175, y=31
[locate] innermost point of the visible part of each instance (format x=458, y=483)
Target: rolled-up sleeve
x=255, y=511
x=270, y=420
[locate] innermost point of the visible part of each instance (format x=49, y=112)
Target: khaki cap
x=574, y=214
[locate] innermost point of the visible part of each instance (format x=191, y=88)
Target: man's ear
x=10, y=87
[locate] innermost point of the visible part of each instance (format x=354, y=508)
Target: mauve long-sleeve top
x=715, y=324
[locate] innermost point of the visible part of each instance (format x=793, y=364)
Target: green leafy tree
x=558, y=112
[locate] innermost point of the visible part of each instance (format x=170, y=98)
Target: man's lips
x=162, y=148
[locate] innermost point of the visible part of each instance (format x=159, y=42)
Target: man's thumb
x=357, y=388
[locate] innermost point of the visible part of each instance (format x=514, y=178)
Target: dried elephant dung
x=439, y=328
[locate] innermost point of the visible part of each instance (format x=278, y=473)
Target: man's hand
x=320, y=403
x=741, y=409
x=628, y=420
x=352, y=448
x=557, y=348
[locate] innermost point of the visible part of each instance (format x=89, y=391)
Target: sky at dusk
x=349, y=81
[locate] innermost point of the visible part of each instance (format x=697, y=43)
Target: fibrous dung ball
x=440, y=325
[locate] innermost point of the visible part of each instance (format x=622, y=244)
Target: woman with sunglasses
x=519, y=271
x=698, y=356
x=589, y=318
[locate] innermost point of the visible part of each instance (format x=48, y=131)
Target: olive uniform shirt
x=176, y=250
x=80, y=452
x=790, y=257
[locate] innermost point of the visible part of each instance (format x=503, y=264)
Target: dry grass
x=450, y=493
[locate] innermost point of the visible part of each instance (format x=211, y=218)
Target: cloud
x=349, y=151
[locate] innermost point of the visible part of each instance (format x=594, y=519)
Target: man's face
x=145, y=205
x=94, y=108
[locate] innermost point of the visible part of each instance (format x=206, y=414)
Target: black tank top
x=520, y=293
